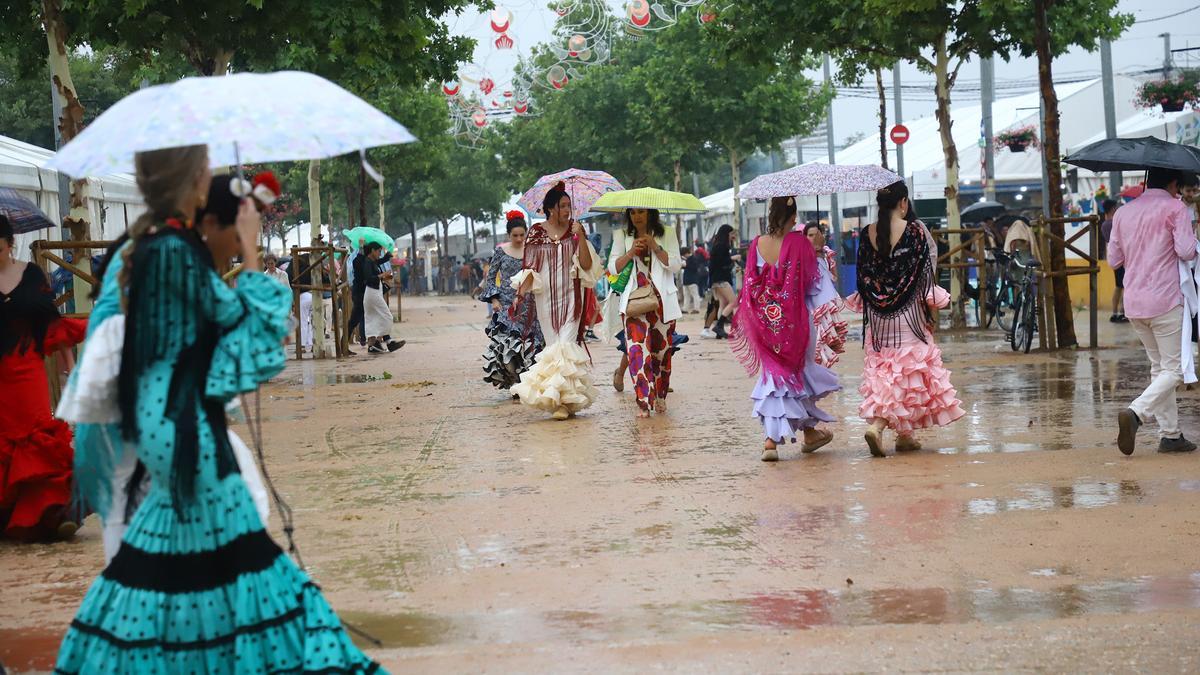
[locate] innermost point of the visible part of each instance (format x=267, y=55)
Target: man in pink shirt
x=1150, y=236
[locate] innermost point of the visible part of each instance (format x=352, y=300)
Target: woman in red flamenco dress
x=35, y=448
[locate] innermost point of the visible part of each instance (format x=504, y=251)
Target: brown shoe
x=874, y=438
x=1127, y=423
x=619, y=379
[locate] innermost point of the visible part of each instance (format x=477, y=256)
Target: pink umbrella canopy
x=819, y=179
x=585, y=187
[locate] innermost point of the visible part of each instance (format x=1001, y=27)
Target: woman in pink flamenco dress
x=905, y=387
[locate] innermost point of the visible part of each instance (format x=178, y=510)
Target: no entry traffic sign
x=899, y=134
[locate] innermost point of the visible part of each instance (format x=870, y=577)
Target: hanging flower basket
x=482, y=234
x=1017, y=139
x=428, y=238
x=1171, y=95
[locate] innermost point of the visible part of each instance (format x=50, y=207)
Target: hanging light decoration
x=451, y=88
x=486, y=85
x=639, y=13
x=501, y=20
x=557, y=76
x=504, y=42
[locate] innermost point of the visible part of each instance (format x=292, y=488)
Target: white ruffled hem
x=91, y=395
x=519, y=278
x=559, y=378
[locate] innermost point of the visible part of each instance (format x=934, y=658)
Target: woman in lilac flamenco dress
x=773, y=333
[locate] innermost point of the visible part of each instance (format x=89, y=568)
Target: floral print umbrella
x=585, y=187
x=819, y=179
x=250, y=117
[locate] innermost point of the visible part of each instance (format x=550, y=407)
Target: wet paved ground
x=470, y=534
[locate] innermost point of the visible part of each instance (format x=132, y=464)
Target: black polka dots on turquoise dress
x=198, y=585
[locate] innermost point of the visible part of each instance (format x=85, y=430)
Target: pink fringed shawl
x=771, y=329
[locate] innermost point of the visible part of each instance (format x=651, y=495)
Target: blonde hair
x=165, y=178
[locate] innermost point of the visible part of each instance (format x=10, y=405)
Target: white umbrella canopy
x=251, y=117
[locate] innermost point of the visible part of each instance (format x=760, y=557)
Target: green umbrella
x=370, y=234
x=649, y=198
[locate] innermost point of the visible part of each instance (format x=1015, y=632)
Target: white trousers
x=691, y=298
x=306, y=328
x=1161, y=336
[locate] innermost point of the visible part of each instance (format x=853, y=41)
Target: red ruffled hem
x=35, y=480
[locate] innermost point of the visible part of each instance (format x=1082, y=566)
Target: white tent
x=113, y=201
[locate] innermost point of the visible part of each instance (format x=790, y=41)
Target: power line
x=1190, y=9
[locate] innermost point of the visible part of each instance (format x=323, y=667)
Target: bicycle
x=1025, y=304
x=998, y=296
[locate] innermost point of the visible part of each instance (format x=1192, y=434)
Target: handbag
x=642, y=300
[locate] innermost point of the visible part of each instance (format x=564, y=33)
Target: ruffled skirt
x=376, y=314
x=787, y=408
x=559, y=378
x=208, y=594
x=908, y=388
x=35, y=480
x=829, y=332
x=508, y=355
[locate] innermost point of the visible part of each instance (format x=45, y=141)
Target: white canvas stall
x=113, y=201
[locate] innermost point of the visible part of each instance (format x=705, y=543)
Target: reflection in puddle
x=310, y=379
x=795, y=610
x=1081, y=495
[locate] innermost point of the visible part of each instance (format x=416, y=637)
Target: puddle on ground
x=794, y=610
x=322, y=379
x=1078, y=495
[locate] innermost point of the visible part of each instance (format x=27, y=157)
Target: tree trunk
x=362, y=194
x=737, y=190
x=1064, y=315
x=678, y=188
x=382, y=220
x=318, y=298
x=942, y=87
x=883, y=139
x=69, y=123
x=444, y=270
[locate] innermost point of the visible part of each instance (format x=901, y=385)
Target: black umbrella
x=981, y=211
x=23, y=215
x=1136, y=154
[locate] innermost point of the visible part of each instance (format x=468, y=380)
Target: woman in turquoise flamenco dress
x=197, y=585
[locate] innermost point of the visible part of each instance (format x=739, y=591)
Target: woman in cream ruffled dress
x=905, y=386
x=558, y=265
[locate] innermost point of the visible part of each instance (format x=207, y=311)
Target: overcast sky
x=1140, y=48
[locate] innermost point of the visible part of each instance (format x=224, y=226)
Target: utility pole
x=1166, y=54
x=1115, y=179
x=987, y=77
x=835, y=213
x=899, y=117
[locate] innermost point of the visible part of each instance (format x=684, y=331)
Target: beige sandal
x=874, y=438
x=826, y=437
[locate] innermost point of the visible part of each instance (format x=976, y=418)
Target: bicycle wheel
x=1006, y=309
x=1025, y=322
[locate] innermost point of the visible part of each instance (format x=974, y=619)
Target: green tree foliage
x=103, y=79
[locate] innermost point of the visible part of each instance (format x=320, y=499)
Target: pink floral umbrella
x=585, y=187
x=819, y=179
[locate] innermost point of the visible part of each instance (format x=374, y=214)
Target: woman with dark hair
x=773, y=333
x=649, y=302
x=905, y=386
x=559, y=264
x=377, y=316
x=720, y=280
x=35, y=448
x=197, y=584
x=829, y=331
x=511, y=351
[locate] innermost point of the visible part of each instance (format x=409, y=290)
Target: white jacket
x=661, y=276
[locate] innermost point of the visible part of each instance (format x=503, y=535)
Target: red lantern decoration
x=557, y=76
x=521, y=107
x=708, y=17
x=504, y=42
x=479, y=117
x=486, y=85
x=501, y=20
x=576, y=44
x=508, y=94
x=451, y=88
x=639, y=13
